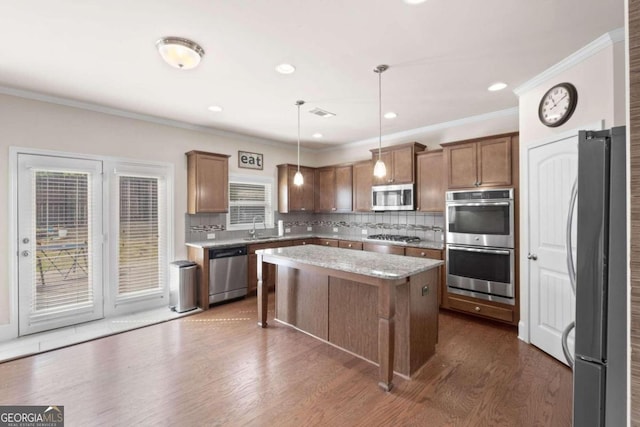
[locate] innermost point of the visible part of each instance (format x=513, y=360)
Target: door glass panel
x=63, y=243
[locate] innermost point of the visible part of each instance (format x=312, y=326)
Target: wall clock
x=558, y=104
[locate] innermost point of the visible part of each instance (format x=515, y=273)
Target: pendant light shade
x=380, y=170
x=298, y=178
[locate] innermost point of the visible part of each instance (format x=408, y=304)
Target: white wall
x=598, y=73
x=42, y=125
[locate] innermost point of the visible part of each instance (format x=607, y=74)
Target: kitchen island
x=382, y=308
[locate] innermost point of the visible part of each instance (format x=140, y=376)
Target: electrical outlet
x=364, y=231
x=211, y=235
x=335, y=229
x=309, y=228
x=287, y=230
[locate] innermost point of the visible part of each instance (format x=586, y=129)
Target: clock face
x=558, y=104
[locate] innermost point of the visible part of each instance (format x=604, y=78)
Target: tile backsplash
x=427, y=226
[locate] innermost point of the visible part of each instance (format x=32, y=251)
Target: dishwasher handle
x=227, y=252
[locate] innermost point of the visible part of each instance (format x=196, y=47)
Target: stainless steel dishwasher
x=227, y=273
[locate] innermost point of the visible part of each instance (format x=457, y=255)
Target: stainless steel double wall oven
x=480, y=244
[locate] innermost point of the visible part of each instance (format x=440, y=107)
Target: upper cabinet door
x=486, y=162
x=403, y=166
x=430, y=181
x=344, y=188
x=326, y=190
x=494, y=162
x=362, y=181
x=207, y=182
x=461, y=166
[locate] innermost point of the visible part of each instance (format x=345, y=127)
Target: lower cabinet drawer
x=480, y=309
x=348, y=244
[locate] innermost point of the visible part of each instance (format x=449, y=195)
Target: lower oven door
x=486, y=273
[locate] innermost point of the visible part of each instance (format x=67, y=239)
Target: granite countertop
x=234, y=242
x=371, y=264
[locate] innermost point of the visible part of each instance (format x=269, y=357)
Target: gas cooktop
x=395, y=238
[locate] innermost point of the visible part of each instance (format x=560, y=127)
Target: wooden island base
x=388, y=321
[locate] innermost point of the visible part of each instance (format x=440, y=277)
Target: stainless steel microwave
x=398, y=197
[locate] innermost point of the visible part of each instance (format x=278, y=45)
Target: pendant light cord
x=299, y=103
x=380, y=115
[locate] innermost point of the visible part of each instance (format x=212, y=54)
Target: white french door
x=60, y=248
x=552, y=167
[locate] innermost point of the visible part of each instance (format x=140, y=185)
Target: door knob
x=532, y=257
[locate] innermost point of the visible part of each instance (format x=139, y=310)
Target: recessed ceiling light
x=285, y=68
x=390, y=115
x=317, y=135
x=497, y=86
x=414, y=1
x=215, y=108
x=180, y=53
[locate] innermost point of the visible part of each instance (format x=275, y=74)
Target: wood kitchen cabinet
x=433, y=254
x=207, y=182
x=382, y=248
x=400, y=163
x=350, y=244
x=291, y=197
x=430, y=181
x=482, y=162
x=362, y=182
x=334, y=189
x=328, y=242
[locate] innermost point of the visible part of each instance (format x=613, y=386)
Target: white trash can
x=184, y=279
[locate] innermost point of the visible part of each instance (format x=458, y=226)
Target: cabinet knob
x=422, y=254
x=350, y=245
x=304, y=243
x=326, y=243
x=418, y=208
x=477, y=308
x=302, y=209
x=333, y=209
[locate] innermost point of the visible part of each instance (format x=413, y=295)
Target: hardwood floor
x=217, y=368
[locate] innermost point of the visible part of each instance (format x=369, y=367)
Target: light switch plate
x=335, y=229
x=309, y=228
x=364, y=231
x=287, y=230
x=211, y=235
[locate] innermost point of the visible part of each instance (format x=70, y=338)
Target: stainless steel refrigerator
x=600, y=367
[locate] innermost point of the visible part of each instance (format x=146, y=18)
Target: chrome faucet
x=252, y=233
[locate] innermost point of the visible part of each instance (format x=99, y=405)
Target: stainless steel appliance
x=392, y=197
x=600, y=281
x=227, y=273
x=480, y=244
x=481, y=272
x=480, y=217
x=394, y=238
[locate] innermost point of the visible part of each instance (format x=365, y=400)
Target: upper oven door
x=480, y=223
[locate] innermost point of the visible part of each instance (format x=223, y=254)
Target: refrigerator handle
x=571, y=268
x=565, y=344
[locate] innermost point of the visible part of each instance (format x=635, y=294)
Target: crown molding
x=431, y=128
x=58, y=100
x=602, y=42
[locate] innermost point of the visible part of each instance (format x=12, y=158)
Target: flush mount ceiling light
x=215, y=109
x=285, y=68
x=414, y=1
x=497, y=86
x=180, y=53
x=317, y=135
x=390, y=115
x=298, y=178
x=380, y=169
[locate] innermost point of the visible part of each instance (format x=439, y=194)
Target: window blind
x=248, y=201
x=140, y=254
x=63, y=245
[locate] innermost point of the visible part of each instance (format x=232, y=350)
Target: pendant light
x=297, y=178
x=380, y=170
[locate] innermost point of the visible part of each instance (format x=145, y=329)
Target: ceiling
x=442, y=56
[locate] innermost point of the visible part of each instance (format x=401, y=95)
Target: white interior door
x=60, y=242
x=552, y=168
